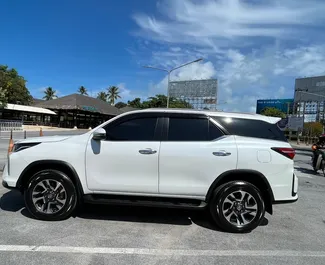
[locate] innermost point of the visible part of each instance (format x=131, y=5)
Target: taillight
x=288, y=152
x=314, y=147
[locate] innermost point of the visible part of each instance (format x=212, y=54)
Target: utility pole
x=299, y=104
x=288, y=108
x=169, y=72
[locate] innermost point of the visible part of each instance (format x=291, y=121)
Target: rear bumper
x=294, y=192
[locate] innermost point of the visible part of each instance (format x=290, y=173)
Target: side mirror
x=99, y=134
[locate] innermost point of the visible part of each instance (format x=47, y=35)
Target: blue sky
x=254, y=48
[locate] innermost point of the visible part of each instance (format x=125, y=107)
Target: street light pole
x=299, y=104
x=169, y=72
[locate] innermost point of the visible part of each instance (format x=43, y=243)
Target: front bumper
x=5, y=185
x=7, y=181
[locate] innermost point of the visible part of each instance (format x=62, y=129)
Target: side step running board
x=144, y=201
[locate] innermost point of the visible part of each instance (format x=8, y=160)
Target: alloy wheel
x=239, y=208
x=49, y=196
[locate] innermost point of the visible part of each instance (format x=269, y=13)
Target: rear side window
x=192, y=129
x=251, y=128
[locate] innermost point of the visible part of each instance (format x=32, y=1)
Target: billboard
x=292, y=123
x=306, y=87
x=199, y=93
x=309, y=98
x=282, y=104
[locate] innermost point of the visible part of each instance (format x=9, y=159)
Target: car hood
x=45, y=139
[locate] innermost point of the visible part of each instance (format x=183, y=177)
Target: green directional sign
x=89, y=108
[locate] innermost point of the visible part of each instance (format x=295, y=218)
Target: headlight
x=21, y=146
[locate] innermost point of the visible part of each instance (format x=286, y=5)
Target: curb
x=303, y=149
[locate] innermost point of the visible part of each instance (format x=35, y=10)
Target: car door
x=193, y=154
x=127, y=161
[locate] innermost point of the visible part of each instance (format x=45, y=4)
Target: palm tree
x=50, y=93
x=102, y=96
x=113, y=94
x=83, y=91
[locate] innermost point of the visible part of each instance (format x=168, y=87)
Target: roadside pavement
x=301, y=146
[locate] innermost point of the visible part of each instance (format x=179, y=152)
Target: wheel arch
x=252, y=176
x=40, y=165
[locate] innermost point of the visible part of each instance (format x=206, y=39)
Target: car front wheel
x=50, y=195
x=237, y=207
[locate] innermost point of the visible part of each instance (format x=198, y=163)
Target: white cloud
x=124, y=92
x=195, y=71
x=175, y=49
x=255, y=48
x=262, y=74
x=245, y=78
x=216, y=23
x=301, y=61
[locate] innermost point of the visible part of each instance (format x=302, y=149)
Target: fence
x=307, y=140
x=23, y=134
x=10, y=125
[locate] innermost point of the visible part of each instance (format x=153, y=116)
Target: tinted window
x=251, y=128
x=191, y=129
x=142, y=129
x=214, y=131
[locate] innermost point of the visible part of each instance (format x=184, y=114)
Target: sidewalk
x=301, y=146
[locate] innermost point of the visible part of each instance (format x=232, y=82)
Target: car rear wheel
x=50, y=195
x=237, y=207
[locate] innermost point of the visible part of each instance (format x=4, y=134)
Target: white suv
x=235, y=165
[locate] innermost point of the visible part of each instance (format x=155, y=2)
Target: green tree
x=113, y=94
x=135, y=103
x=120, y=105
x=50, y=93
x=3, y=97
x=13, y=87
x=313, y=128
x=83, y=91
x=274, y=112
x=102, y=96
x=159, y=101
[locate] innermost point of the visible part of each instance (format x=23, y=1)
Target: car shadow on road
x=12, y=201
x=139, y=214
x=309, y=171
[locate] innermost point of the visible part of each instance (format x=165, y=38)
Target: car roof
x=210, y=113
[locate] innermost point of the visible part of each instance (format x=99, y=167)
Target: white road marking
x=160, y=252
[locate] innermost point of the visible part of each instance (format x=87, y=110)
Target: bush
x=313, y=129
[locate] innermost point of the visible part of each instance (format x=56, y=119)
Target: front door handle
x=221, y=153
x=147, y=151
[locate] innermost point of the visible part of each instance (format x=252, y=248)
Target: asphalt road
x=125, y=235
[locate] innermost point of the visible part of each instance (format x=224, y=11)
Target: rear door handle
x=221, y=153
x=147, y=151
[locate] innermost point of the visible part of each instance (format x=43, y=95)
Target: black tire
x=59, y=210
x=234, y=187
